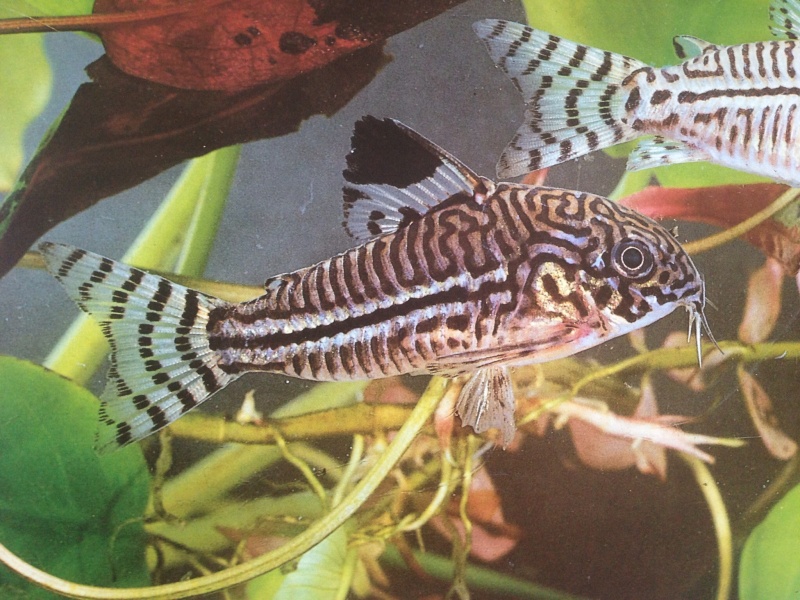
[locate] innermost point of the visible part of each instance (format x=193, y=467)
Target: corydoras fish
x=738, y=106
x=456, y=274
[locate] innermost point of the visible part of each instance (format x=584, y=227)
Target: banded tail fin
x=573, y=96
x=161, y=362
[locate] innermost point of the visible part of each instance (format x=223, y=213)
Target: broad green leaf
x=25, y=79
x=25, y=82
x=644, y=29
x=770, y=567
x=319, y=573
x=24, y=8
x=61, y=504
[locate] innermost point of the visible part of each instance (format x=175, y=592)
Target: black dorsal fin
x=394, y=176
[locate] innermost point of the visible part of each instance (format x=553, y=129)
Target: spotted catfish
x=738, y=106
x=455, y=274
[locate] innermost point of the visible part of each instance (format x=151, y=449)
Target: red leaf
x=232, y=45
x=759, y=406
x=492, y=536
x=763, y=303
x=606, y=452
x=725, y=206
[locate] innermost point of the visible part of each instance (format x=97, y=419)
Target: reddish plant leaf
x=492, y=536
x=236, y=44
x=120, y=130
x=759, y=406
x=763, y=304
x=728, y=205
x=606, y=452
x=390, y=390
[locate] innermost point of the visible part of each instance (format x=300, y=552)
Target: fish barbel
x=455, y=275
x=737, y=106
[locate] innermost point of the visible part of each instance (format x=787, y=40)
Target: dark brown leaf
x=235, y=44
x=120, y=130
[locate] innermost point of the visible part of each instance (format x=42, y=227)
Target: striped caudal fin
x=161, y=363
x=573, y=95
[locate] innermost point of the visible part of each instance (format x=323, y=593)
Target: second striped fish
x=456, y=274
x=738, y=106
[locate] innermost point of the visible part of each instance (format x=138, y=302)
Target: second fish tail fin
x=573, y=94
x=162, y=364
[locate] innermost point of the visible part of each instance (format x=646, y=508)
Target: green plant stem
x=198, y=488
x=719, y=516
x=478, y=578
x=300, y=544
x=304, y=469
x=220, y=168
x=361, y=418
x=356, y=453
x=447, y=481
x=674, y=358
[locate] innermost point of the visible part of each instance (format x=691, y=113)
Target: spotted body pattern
x=470, y=276
x=738, y=106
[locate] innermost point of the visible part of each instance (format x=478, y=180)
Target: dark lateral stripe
x=689, y=97
x=456, y=294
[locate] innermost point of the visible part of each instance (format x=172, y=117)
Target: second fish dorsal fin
x=689, y=46
x=394, y=176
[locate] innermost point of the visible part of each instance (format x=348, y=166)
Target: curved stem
x=732, y=233
x=722, y=525
x=98, y=21
x=674, y=358
x=291, y=550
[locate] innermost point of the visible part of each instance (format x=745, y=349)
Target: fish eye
x=632, y=258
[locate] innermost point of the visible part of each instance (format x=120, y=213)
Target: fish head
x=643, y=273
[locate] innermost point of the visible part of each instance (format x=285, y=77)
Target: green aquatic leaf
x=25, y=79
x=769, y=567
x=644, y=29
x=61, y=504
x=319, y=573
x=25, y=82
x=25, y=8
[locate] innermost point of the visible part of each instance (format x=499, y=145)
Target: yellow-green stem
x=719, y=516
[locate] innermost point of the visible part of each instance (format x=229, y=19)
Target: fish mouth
x=698, y=323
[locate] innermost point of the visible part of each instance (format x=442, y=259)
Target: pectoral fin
x=657, y=152
x=487, y=402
